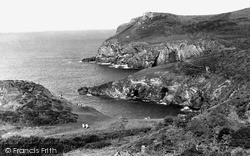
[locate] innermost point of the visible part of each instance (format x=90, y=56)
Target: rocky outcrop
x=143, y=55
x=167, y=87
x=83, y=91
x=158, y=38
x=198, y=83
x=27, y=103
x=90, y=59
x=222, y=129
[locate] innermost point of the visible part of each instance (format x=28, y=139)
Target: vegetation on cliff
x=27, y=103
x=69, y=143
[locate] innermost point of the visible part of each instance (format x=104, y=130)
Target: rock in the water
x=90, y=59
x=83, y=91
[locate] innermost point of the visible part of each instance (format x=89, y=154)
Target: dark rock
x=163, y=92
x=241, y=138
x=83, y=91
x=197, y=100
x=90, y=59
x=191, y=152
x=224, y=132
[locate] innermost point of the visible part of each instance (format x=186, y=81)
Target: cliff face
x=158, y=38
x=191, y=56
x=217, y=85
x=138, y=55
x=201, y=82
x=27, y=103
x=202, y=62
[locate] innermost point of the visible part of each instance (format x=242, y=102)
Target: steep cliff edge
x=200, y=82
x=27, y=103
x=217, y=85
x=202, y=62
x=158, y=38
x=190, y=55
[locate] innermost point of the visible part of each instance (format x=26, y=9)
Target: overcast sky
x=46, y=15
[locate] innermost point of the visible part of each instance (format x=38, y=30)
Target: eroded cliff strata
x=139, y=55
x=159, y=38
x=192, y=54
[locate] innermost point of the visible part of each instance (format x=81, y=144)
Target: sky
x=51, y=15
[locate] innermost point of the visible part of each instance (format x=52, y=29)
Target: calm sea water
x=53, y=60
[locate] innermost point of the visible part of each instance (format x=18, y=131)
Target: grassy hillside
x=27, y=103
x=159, y=38
x=160, y=27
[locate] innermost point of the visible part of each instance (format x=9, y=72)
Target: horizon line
x=44, y=31
x=111, y=29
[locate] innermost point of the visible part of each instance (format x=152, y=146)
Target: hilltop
x=158, y=38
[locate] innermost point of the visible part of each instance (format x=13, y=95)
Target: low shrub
x=97, y=145
x=241, y=138
x=192, y=152
x=168, y=120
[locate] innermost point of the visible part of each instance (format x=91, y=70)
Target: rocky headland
x=202, y=62
x=159, y=38
x=192, y=57
x=30, y=104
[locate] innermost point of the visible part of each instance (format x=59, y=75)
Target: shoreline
x=92, y=60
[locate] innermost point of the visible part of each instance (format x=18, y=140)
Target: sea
x=53, y=59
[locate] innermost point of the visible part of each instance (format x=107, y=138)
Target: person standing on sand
x=207, y=69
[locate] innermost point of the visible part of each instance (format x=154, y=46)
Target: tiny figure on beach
x=85, y=126
x=207, y=69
